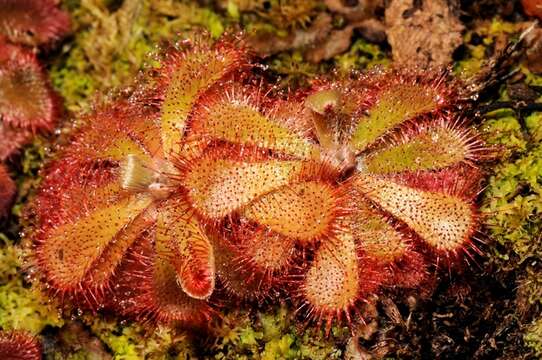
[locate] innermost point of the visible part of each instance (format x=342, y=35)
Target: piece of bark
x=372, y=30
x=522, y=92
x=533, y=53
x=337, y=42
x=265, y=44
x=354, y=10
x=487, y=9
x=422, y=33
x=320, y=40
x=354, y=351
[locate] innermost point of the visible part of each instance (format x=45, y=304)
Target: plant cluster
x=199, y=185
x=281, y=14
x=27, y=102
x=18, y=345
x=33, y=22
x=112, y=41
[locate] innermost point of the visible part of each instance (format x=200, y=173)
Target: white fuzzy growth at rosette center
x=141, y=175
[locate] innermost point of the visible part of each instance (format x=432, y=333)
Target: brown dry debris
x=533, y=54
x=354, y=10
x=269, y=43
x=320, y=39
x=422, y=32
x=75, y=337
x=337, y=42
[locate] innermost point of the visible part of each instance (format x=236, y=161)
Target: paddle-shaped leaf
x=188, y=248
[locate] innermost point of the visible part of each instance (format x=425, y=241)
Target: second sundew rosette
x=357, y=185
x=200, y=185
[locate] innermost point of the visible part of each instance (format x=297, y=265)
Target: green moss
x=490, y=32
x=499, y=26
x=513, y=199
x=132, y=342
x=533, y=123
x=21, y=307
x=502, y=130
x=293, y=69
x=273, y=335
x=111, y=46
x=278, y=17
x=361, y=55
x=513, y=204
x=531, y=79
x=471, y=65
x=28, y=180
x=531, y=284
x=78, y=355
x=533, y=338
x=71, y=79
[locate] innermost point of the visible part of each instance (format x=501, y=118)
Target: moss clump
x=502, y=130
x=293, y=69
x=533, y=338
x=485, y=38
x=273, y=335
x=111, y=44
x=513, y=200
x=533, y=123
x=276, y=16
x=132, y=342
x=21, y=307
x=513, y=206
x=361, y=55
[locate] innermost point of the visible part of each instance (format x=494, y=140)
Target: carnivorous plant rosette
x=33, y=22
x=18, y=345
x=28, y=103
x=199, y=178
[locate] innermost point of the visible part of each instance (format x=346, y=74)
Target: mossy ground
x=489, y=311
